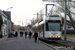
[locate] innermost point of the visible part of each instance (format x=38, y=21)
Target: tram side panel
x=41, y=31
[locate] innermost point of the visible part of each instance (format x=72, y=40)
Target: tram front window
x=52, y=26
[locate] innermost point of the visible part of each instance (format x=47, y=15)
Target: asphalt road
x=20, y=43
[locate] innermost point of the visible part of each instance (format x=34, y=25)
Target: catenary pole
x=65, y=20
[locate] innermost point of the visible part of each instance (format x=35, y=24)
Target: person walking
x=1, y=34
x=35, y=36
x=30, y=34
x=21, y=34
x=16, y=34
x=25, y=34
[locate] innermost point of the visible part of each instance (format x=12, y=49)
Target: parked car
x=12, y=34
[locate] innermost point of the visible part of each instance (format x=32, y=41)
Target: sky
x=23, y=10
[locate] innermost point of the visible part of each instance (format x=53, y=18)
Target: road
x=20, y=43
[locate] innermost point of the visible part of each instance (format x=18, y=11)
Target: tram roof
x=41, y=22
x=35, y=25
x=55, y=17
x=52, y=18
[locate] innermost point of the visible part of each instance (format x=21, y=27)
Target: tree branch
x=72, y=5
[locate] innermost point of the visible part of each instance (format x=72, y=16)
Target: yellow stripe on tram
x=54, y=35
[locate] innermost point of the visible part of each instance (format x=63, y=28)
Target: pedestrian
x=30, y=35
x=35, y=36
x=1, y=34
x=16, y=34
x=21, y=34
x=25, y=34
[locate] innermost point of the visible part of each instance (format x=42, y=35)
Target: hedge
x=69, y=31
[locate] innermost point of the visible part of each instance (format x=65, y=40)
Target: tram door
x=42, y=31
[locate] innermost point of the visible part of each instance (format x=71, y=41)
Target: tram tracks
x=57, y=46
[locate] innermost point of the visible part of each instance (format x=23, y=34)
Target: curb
x=4, y=39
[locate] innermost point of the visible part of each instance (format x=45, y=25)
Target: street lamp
x=9, y=8
x=9, y=21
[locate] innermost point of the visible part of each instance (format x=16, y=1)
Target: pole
x=19, y=24
x=33, y=21
x=22, y=26
x=46, y=9
x=52, y=9
x=65, y=20
x=37, y=21
x=31, y=25
x=25, y=24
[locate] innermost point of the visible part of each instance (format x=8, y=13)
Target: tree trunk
x=70, y=16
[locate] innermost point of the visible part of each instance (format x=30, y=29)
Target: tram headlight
x=58, y=36
x=50, y=36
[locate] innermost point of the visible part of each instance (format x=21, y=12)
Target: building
x=8, y=14
x=12, y=26
x=16, y=27
x=4, y=25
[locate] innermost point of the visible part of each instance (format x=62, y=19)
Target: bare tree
x=70, y=11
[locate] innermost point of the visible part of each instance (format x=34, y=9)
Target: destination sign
x=53, y=20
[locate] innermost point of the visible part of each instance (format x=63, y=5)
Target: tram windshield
x=53, y=26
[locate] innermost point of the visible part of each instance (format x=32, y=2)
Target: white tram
x=50, y=28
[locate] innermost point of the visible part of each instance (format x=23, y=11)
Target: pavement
x=69, y=39
x=22, y=43
x=3, y=38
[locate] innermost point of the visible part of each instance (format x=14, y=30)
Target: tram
x=50, y=28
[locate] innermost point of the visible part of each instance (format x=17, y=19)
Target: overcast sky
x=22, y=9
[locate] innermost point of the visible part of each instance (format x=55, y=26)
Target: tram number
x=54, y=35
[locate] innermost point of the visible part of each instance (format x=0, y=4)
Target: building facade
x=4, y=25
x=12, y=26
x=8, y=21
